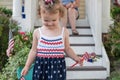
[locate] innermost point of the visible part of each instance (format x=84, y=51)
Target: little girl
x=49, y=44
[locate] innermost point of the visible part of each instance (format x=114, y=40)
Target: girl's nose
x=50, y=23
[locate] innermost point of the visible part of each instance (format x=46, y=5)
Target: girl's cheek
x=44, y=23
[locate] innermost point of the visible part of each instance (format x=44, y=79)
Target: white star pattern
x=48, y=77
x=38, y=76
x=41, y=72
x=54, y=61
x=41, y=62
x=37, y=62
x=58, y=61
x=54, y=72
x=64, y=70
x=63, y=60
x=36, y=71
x=60, y=75
x=51, y=66
x=46, y=71
x=48, y=67
x=43, y=77
x=51, y=62
x=45, y=62
x=58, y=71
x=51, y=76
x=38, y=67
x=60, y=65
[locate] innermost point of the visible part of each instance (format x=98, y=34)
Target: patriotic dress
x=50, y=60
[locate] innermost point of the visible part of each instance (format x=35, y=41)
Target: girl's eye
x=46, y=20
x=53, y=20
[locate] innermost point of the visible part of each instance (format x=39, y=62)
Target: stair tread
x=99, y=55
x=81, y=27
x=86, y=68
x=82, y=44
x=82, y=31
x=81, y=35
x=82, y=49
x=84, y=27
x=81, y=40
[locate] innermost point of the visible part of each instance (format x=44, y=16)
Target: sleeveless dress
x=50, y=61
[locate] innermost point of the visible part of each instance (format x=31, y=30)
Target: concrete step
x=82, y=31
x=98, y=62
x=81, y=40
x=82, y=49
x=86, y=73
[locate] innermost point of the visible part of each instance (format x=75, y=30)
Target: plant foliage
x=112, y=44
x=113, y=38
x=5, y=15
x=18, y=57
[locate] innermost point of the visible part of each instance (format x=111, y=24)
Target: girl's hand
x=24, y=71
x=79, y=60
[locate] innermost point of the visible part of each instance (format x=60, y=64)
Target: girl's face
x=50, y=19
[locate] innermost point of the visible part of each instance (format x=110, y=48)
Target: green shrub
x=5, y=24
x=112, y=44
x=115, y=75
x=114, y=40
x=115, y=11
x=4, y=29
x=18, y=57
x=6, y=11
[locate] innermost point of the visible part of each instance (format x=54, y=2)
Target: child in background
x=49, y=44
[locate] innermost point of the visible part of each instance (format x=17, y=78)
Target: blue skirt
x=49, y=69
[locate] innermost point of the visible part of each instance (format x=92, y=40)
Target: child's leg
x=72, y=15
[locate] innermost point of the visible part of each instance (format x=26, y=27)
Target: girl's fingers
x=24, y=72
x=81, y=63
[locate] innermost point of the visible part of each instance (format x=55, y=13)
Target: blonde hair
x=51, y=6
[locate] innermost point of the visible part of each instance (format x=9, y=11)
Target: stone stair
x=84, y=42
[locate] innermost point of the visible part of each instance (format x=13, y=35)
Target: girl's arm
x=68, y=50
x=32, y=54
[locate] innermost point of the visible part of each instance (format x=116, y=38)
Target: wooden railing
x=94, y=14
